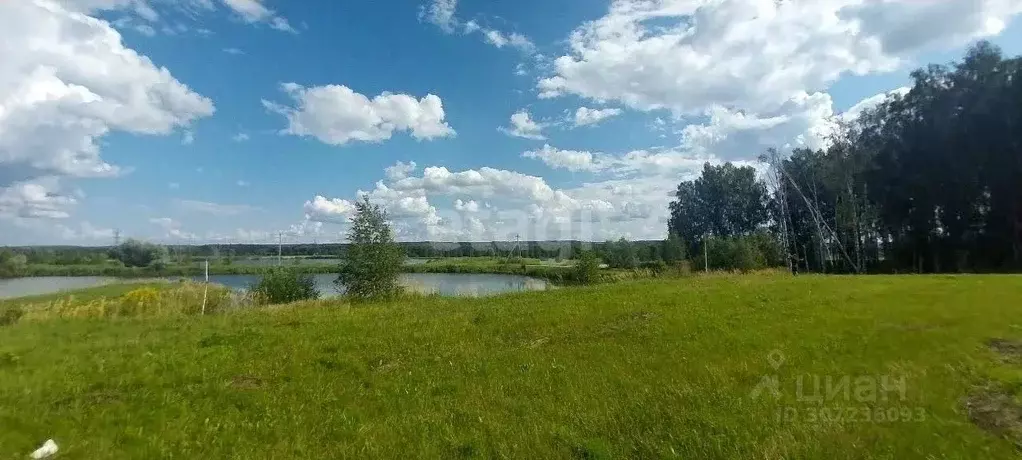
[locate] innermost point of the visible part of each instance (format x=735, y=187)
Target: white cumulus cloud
x=688, y=56
x=586, y=116
x=441, y=14
x=522, y=125
x=322, y=209
x=399, y=170
x=66, y=81
x=466, y=206
x=337, y=115
x=572, y=160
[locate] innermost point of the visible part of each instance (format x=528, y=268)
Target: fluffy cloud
x=522, y=204
x=466, y=206
x=441, y=14
x=67, y=81
x=522, y=125
x=805, y=121
x=322, y=209
x=751, y=54
x=586, y=116
x=676, y=162
x=484, y=182
x=337, y=115
x=571, y=160
x=37, y=199
x=399, y=170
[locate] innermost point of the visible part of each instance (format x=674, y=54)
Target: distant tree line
x=928, y=181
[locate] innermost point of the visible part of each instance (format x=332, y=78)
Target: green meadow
x=721, y=366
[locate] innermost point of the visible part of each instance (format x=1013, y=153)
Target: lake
x=38, y=285
x=448, y=284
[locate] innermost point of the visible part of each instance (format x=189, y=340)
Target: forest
x=927, y=181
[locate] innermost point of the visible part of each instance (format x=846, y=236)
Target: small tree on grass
x=284, y=285
x=622, y=254
x=673, y=250
x=373, y=260
x=135, y=253
x=587, y=268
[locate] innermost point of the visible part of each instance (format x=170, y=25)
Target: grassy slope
x=645, y=369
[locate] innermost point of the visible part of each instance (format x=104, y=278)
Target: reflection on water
x=447, y=284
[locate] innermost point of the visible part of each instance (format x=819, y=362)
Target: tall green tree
x=726, y=200
x=373, y=260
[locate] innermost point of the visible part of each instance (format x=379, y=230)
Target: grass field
x=641, y=369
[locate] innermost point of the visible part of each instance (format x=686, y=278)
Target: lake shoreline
x=444, y=284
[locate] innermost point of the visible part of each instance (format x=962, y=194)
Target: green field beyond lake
x=754, y=366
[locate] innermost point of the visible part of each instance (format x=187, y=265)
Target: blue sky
x=550, y=120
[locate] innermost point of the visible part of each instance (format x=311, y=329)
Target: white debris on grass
x=49, y=448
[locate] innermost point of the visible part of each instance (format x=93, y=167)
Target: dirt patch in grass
x=629, y=321
x=996, y=412
x=538, y=342
x=1010, y=350
x=246, y=382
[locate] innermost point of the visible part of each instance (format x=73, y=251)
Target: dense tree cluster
x=928, y=181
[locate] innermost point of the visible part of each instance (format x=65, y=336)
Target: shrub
x=621, y=254
x=587, y=269
x=734, y=253
x=284, y=285
x=134, y=253
x=10, y=315
x=656, y=267
x=673, y=249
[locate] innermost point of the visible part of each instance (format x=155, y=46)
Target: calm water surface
x=39, y=285
x=448, y=284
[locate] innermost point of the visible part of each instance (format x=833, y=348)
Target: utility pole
x=117, y=237
x=280, y=243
